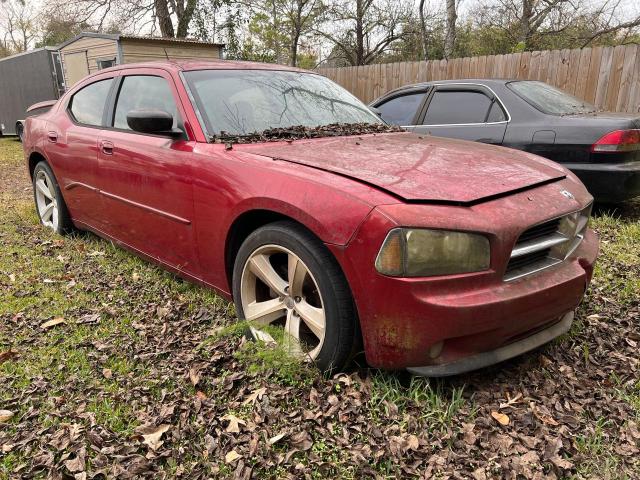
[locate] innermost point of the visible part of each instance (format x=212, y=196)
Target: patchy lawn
x=111, y=367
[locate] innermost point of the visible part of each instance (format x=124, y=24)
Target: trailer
x=25, y=79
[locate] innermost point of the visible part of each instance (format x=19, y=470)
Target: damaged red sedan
x=287, y=195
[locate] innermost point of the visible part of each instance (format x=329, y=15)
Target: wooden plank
x=603, y=77
x=582, y=72
x=593, y=75
x=614, y=79
x=634, y=95
x=626, y=78
x=545, y=59
x=572, y=77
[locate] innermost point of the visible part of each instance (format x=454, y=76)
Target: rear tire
x=20, y=131
x=50, y=206
x=284, y=276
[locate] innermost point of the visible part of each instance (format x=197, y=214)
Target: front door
x=467, y=112
x=145, y=180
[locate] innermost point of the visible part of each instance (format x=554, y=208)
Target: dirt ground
x=112, y=368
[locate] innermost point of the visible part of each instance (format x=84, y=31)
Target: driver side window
x=144, y=92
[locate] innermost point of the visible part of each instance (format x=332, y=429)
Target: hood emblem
x=567, y=194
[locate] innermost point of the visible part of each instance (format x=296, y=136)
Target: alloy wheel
x=46, y=201
x=277, y=288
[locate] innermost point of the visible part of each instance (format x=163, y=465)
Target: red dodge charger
x=286, y=194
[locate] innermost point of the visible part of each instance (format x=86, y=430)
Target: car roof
x=489, y=82
x=213, y=64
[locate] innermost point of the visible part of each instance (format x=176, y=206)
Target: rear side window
x=449, y=107
x=87, y=105
x=496, y=114
x=401, y=110
x=144, y=92
x=550, y=100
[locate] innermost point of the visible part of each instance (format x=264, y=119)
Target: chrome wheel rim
x=277, y=288
x=46, y=201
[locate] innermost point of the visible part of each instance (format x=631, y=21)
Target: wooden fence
x=608, y=77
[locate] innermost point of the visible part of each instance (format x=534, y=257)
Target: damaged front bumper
x=500, y=354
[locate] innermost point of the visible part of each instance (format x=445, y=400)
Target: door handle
x=107, y=147
x=52, y=136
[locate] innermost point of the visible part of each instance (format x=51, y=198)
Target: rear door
x=145, y=179
x=71, y=145
x=469, y=112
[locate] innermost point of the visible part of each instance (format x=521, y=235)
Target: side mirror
x=376, y=110
x=157, y=122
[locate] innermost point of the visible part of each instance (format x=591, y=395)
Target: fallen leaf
x=151, y=435
x=135, y=276
x=275, y=439
x=106, y=372
x=301, y=441
x=96, y=253
x=194, y=376
x=12, y=277
x=52, y=323
x=232, y=456
x=510, y=401
x=8, y=355
x=501, y=418
x=234, y=423
x=5, y=415
x=255, y=396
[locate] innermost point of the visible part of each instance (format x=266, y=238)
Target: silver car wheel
x=46, y=201
x=277, y=288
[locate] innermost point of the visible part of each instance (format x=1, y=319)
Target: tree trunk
x=164, y=18
x=185, y=19
x=450, y=37
x=423, y=32
x=525, y=22
x=360, y=32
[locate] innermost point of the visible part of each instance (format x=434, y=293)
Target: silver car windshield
x=240, y=102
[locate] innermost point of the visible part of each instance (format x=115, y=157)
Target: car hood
x=419, y=168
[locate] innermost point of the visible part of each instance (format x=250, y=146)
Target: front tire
x=285, y=277
x=50, y=205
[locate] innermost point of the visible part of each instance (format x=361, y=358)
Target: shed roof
x=122, y=36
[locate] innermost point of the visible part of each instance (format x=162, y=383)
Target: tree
x=533, y=24
x=450, y=37
x=363, y=30
x=17, y=27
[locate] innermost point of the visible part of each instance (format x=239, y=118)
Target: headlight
x=421, y=253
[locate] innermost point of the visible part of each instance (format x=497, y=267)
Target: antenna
x=166, y=54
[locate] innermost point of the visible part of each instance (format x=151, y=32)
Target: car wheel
x=50, y=205
x=285, y=277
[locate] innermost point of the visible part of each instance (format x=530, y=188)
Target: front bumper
x=609, y=182
x=500, y=354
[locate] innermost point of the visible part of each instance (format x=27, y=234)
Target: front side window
x=448, y=107
x=550, y=100
x=401, y=110
x=87, y=105
x=144, y=92
x=240, y=102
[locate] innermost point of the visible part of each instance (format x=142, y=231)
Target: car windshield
x=242, y=102
x=550, y=100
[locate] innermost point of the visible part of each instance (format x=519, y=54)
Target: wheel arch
x=34, y=158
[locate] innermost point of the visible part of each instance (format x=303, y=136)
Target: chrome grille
x=547, y=244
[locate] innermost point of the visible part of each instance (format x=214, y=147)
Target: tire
x=20, y=131
x=57, y=216
x=319, y=282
